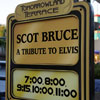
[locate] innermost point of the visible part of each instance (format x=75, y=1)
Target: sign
x=49, y=44
x=43, y=8
x=49, y=51
x=45, y=84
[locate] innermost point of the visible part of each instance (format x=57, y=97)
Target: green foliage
x=2, y=35
x=2, y=30
x=2, y=42
x=97, y=71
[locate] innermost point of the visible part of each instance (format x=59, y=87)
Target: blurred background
x=7, y=7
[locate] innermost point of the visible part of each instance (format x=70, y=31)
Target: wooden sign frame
x=84, y=67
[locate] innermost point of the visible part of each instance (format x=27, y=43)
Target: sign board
x=45, y=84
x=50, y=51
x=46, y=45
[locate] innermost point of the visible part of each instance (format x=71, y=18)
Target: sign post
x=50, y=51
